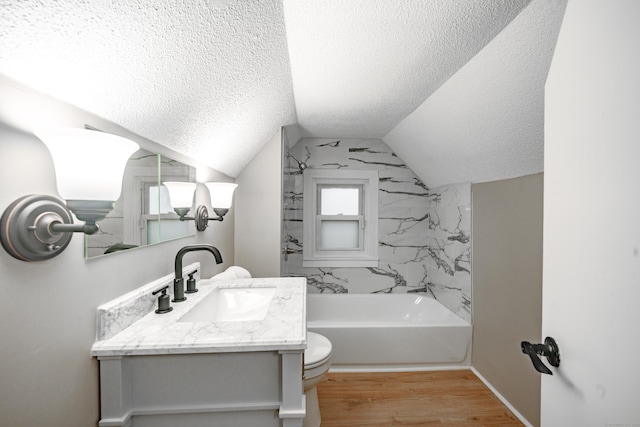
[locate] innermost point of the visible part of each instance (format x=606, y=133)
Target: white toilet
x=317, y=361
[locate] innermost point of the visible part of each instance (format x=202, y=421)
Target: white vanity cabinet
x=159, y=371
x=261, y=389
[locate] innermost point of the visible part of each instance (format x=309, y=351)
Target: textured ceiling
x=359, y=67
x=215, y=79
x=487, y=121
x=209, y=79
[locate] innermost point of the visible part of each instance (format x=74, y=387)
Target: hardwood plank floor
x=431, y=398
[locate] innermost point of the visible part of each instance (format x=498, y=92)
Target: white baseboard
x=393, y=368
x=502, y=399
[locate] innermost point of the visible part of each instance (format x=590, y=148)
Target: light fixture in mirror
x=38, y=227
x=143, y=216
x=182, y=197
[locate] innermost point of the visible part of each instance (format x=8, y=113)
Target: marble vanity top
x=283, y=328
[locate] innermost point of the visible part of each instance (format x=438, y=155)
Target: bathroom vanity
x=231, y=355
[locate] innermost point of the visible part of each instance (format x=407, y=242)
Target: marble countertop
x=283, y=328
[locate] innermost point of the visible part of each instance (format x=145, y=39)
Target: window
x=340, y=218
x=157, y=220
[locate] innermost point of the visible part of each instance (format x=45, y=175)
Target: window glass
x=339, y=201
x=158, y=203
x=337, y=235
x=160, y=231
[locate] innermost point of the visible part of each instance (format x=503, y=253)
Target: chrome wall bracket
x=27, y=228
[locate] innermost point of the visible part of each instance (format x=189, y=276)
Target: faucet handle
x=164, y=305
x=191, y=283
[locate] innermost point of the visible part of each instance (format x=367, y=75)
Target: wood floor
x=433, y=398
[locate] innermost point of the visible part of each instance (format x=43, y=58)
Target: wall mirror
x=142, y=215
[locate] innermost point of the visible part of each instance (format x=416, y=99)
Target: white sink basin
x=232, y=305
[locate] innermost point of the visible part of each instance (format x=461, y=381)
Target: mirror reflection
x=142, y=215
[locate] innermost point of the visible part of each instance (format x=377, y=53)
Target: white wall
x=47, y=309
x=258, y=204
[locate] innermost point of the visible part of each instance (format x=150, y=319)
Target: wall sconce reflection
x=181, y=197
x=38, y=227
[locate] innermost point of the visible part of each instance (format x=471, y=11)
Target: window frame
x=367, y=253
x=320, y=217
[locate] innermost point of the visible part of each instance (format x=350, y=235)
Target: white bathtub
x=389, y=331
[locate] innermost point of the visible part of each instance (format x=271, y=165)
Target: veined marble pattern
x=424, y=235
x=283, y=327
x=449, y=240
x=122, y=312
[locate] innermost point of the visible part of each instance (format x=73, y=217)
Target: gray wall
x=507, y=287
x=48, y=309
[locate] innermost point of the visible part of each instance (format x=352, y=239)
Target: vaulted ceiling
x=454, y=87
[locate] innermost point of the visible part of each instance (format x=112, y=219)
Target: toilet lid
x=318, y=349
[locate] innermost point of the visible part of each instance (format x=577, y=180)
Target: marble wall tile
x=449, y=263
x=424, y=235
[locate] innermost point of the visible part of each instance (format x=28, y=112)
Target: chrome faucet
x=178, y=282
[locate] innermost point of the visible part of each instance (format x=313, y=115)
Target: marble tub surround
x=122, y=312
x=448, y=267
x=402, y=217
x=424, y=234
x=283, y=328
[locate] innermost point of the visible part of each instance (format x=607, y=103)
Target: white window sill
x=340, y=262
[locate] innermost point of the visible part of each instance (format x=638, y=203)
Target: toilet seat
x=318, y=350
